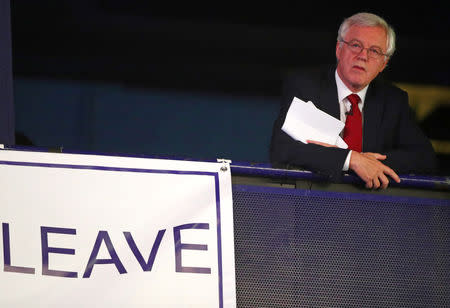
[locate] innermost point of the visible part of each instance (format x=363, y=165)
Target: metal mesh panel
x=304, y=250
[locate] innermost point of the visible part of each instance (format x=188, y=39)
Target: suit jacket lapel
x=328, y=101
x=373, y=110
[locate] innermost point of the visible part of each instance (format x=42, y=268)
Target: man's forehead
x=369, y=36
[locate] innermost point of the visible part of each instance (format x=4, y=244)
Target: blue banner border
x=142, y=170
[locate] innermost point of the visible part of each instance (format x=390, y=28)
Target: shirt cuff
x=347, y=161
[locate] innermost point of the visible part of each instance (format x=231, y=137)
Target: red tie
x=353, y=125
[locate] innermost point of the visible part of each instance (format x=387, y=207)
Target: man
x=386, y=140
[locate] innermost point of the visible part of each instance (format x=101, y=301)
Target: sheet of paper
x=305, y=122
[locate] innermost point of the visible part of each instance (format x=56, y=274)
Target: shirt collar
x=343, y=91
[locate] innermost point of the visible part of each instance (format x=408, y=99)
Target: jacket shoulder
x=389, y=88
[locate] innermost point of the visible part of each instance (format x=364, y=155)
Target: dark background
x=218, y=47
x=230, y=50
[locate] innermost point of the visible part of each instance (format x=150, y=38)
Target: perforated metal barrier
x=303, y=248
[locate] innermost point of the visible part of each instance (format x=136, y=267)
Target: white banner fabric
x=106, y=231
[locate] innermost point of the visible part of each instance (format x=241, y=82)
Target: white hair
x=369, y=20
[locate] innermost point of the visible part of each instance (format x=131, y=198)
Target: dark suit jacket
x=389, y=128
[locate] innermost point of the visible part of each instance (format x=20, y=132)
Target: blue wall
x=111, y=118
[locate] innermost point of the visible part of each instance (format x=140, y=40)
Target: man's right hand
x=371, y=170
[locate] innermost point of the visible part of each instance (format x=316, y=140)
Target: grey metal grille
x=314, y=251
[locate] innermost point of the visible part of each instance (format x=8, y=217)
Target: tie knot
x=353, y=98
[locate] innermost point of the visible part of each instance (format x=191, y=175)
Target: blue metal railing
x=267, y=170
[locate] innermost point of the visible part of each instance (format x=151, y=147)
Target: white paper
x=305, y=122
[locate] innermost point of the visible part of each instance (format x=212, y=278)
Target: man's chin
x=357, y=83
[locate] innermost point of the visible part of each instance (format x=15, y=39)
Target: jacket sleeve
x=411, y=151
x=287, y=152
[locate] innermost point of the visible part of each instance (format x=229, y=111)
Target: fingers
x=384, y=182
x=372, y=171
x=376, y=183
x=371, y=184
x=392, y=174
x=376, y=156
x=381, y=182
x=380, y=156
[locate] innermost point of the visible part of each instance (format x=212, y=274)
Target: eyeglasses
x=357, y=47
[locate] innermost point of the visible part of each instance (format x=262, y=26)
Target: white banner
x=106, y=231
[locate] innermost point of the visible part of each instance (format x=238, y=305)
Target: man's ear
x=384, y=64
x=338, y=49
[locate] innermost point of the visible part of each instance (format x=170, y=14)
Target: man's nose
x=364, y=54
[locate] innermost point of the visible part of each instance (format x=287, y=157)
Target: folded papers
x=305, y=122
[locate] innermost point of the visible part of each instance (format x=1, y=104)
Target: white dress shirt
x=345, y=107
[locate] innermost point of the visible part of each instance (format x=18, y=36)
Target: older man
x=380, y=129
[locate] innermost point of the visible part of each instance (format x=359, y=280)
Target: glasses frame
x=369, y=53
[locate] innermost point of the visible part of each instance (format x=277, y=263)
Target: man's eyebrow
x=372, y=46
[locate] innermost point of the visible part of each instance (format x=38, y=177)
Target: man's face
x=357, y=70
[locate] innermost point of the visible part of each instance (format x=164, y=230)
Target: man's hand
x=371, y=170
x=368, y=167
